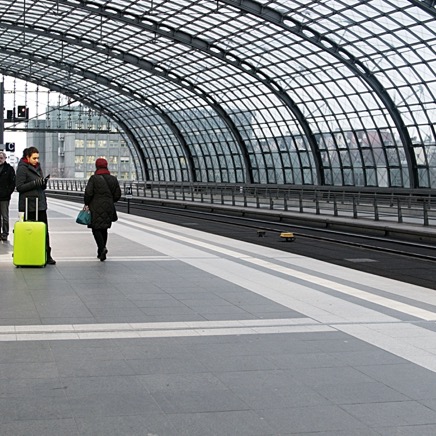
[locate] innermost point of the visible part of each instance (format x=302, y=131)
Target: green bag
x=84, y=217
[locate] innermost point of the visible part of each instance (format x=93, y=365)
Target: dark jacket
x=101, y=192
x=7, y=182
x=25, y=183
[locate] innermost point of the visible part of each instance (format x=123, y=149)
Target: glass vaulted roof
x=321, y=92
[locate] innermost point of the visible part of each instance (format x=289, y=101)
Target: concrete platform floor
x=181, y=332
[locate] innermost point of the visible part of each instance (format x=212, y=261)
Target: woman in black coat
x=31, y=183
x=101, y=192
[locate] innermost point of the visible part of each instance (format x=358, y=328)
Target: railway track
x=401, y=248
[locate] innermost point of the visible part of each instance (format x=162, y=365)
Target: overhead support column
x=147, y=66
x=428, y=6
x=231, y=125
x=308, y=34
x=2, y=106
x=311, y=140
x=200, y=44
x=130, y=94
x=98, y=108
x=178, y=134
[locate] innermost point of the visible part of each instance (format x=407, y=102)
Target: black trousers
x=100, y=236
x=42, y=216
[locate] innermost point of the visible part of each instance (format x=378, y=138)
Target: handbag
x=84, y=217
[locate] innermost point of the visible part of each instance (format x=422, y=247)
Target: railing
x=401, y=205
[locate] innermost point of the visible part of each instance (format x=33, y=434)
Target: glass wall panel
x=205, y=90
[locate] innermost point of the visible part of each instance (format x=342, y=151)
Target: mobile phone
x=47, y=177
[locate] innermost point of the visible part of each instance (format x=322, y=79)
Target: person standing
x=7, y=187
x=30, y=183
x=101, y=192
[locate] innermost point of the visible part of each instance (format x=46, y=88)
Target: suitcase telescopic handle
x=26, y=209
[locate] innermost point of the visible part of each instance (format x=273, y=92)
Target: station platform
x=181, y=332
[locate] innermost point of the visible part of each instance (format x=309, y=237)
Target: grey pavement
x=181, y=332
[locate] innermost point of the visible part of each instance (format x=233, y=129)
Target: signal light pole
x=2, y=108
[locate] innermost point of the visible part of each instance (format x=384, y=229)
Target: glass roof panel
x=326, y=64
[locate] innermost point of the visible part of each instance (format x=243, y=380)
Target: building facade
x=72, y=154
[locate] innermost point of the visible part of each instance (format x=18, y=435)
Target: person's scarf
x=25, y=160
x=101, y=171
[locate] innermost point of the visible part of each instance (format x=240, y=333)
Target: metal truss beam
x=45, y=129
x=426, y=5
x=102, y=81
x=179, y=135
x=151, y=68
x=150, y=25
x=90, y=103
x=289, y=24
x=146, y=66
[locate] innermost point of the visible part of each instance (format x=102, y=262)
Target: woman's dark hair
x=25, y=153
x=29, y=151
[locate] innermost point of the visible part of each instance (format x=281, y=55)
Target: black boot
x=102, y=256
x=50, y=260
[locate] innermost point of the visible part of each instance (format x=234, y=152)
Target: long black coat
x=7, y=182
x=100, y=198
x=25, y=182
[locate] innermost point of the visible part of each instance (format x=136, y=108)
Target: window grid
x=292, y=96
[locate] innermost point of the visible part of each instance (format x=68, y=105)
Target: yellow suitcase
x=30, y=242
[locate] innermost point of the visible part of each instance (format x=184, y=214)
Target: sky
x=19, y=92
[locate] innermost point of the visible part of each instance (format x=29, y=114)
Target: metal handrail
x=399, y=205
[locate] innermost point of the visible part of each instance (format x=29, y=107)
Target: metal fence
x=401, y=206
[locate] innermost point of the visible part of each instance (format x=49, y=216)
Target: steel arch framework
x=329, y=92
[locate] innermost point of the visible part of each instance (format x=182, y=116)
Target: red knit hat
x=101, y=163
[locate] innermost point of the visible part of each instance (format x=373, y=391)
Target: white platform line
x=8, y=258
x=421, y=353
x=294, y=273
x=351, y=291
x=309, y=297
x=158, y=330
